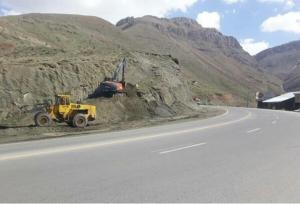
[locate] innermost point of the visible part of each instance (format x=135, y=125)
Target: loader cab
x=62, y=104
x=62, y=100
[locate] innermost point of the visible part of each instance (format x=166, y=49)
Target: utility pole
x=248, y=99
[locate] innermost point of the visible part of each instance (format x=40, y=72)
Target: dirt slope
x=44, y=55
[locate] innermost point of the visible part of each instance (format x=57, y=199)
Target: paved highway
x=245, y=155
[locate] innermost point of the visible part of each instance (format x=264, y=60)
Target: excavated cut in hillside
x=44, y=55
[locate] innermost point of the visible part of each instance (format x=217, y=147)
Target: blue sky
x=243, y=19
x=257, y=24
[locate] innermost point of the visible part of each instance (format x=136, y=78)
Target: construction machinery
x=63, y=111
x=111, y=86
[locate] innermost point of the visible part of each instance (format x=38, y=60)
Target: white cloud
x=289, y=22
x=209, y=19
x=253, y=47
x=232, y=1
x=6, y=12
x=288, y=4
x=112, y=10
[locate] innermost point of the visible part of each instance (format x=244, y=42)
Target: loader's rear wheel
x=42, y=120
x=80, y=121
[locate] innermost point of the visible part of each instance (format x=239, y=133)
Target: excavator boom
x=120, y=68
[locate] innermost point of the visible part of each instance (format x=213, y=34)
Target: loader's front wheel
x=80, y=121
x=42, y=120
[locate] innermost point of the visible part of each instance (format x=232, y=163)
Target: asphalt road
x=245, y=155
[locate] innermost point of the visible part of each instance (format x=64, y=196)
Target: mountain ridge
x=283, y=62
x=209, y=47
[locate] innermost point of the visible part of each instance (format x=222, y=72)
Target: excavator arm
x=120, y=70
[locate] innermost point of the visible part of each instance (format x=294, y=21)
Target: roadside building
x=288, y=101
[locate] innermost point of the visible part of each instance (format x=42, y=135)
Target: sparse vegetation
x=45, y=54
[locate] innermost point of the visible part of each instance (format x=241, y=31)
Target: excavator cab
x=112, y=85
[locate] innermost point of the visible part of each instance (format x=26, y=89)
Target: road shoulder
x=21, y=134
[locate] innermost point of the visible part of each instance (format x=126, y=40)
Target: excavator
x=111, y=86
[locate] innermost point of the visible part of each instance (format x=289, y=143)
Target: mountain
x=217, y=62
x=171, y=61
x=283, y=62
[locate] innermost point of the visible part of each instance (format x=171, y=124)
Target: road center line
x=181, y=148
x=254, y=130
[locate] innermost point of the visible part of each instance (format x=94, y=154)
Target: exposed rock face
x=183, y=27
x=197, y=33
x=283, y=62
x=126, y=23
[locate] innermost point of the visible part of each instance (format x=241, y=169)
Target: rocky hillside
x=42, y=55
x=217, y=62
x=283, y=62
x=171, y=61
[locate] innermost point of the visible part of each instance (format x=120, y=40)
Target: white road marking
x=181, y=148
x=254, y=130
x=224, y=114
x=164, y=149
x=70, y=148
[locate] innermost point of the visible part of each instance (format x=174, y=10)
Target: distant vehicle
x=74, y=114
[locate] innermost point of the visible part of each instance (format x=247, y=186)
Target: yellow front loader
x=74, y=114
